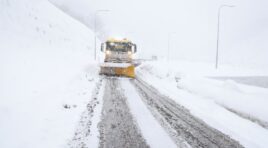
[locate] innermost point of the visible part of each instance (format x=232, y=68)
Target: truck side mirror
x=102, y=47
x=135, y=48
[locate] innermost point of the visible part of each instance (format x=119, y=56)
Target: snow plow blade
x=118, y=69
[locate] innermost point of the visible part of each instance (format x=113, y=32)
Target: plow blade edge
x=127, y=71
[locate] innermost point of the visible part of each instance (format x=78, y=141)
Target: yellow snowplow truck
x=118, y=58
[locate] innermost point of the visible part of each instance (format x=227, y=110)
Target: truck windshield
x=118, y=47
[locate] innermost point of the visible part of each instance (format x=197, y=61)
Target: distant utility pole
x=218, y=32
x=95, y=30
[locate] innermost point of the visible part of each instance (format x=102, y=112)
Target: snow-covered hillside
x=44, y=64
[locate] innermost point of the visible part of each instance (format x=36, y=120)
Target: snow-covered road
x=118, y=128
x=134, y=114
x=182, y=125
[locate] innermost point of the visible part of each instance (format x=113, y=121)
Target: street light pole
x=95, y=31
x=218, y=32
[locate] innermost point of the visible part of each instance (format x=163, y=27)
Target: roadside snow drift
x=44, y=73
x=235, y=109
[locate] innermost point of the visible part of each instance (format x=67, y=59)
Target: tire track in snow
x=179, y=119
x=117, y=128
x=85, y=134
x=151, y=130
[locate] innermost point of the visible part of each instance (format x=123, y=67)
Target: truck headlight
x=129, y=53
x=108, y=52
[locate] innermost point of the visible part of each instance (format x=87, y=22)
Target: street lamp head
x=227, y=6
x=231, y=5
x=103, y=10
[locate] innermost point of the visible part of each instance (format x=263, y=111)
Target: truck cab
x=118, y=51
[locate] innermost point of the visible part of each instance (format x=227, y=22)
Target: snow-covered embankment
x=44, y=64
x=230, y=107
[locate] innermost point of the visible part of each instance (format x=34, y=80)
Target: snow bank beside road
x=247, y=100
x=45, y=75
x=205, y=99
x=201, y=69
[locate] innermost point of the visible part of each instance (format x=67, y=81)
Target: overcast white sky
x=244, y=28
